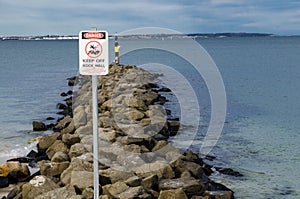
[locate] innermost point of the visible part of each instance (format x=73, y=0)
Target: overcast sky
x=42, y=17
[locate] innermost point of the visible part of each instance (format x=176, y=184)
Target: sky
x=68, y=17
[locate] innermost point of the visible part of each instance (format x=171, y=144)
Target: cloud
x=69, y=16
x=226, y=2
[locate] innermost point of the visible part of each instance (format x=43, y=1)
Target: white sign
x=93, y=53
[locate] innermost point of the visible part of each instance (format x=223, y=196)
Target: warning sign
x=93, y=53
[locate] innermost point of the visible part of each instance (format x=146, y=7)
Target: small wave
x=17, y=151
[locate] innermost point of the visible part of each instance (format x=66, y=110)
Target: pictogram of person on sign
x=93, y=49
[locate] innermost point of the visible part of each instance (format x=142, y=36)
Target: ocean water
x=32, y=76
x=261, y=76
x=261, y=139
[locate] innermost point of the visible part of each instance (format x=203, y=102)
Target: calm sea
x=262, y=81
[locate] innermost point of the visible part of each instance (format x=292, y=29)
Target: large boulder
x=172, y=194
x=134, y=192
x=88, y=193
x=63, y=123
x=190, y=186
x=180, y=166
x=219, y=194
x=69, y=129
x=150, y=182
x=77, y=150
x=38, y=126
x=121, y=190
x=49, y=168
x=38, y=186
x=81, y=163
x=159, y=168
x=60, y=157
x=57, y=146
x=115, y=175
x=80, y=117
x=115, y=189
x=70, y=139
x=135, y=102
x=16, y=170
x=134, y=114
x=149, y=97
x=65, y=192
x=47, y=141
x=107, y=134
x=82, y=179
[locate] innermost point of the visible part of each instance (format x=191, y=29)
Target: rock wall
x=135, y=158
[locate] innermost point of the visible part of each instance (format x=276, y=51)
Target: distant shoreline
x=146, y=36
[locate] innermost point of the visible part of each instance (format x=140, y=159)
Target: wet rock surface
x=135, y=158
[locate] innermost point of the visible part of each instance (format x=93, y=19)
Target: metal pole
x=117, y=58
x=95, y=133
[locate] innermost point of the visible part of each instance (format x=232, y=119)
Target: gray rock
x=130, y=161
x=106, y=122
x=69, y=129
x=159, y=168
x=79, y=116
x=70, y=139
x=14, y=168
x=38, y=186
x=63, y=123
x=174, y=127
x=38, y=126
x=66, y=192
x=77, y=150
x=57, y=146
x=112, y=152
x=76, y=197
x=88, y=193
x=104, y=197
x=200, y=197
x=133, y=181
x=185, y=174
x=81, y=163
x=132, y=193
x=60, y=157
x=113, y=190
x=219, y=194
x=82, y=179
x=49, y=168
x=160, y=144
x=84, y=130
x=47, y=141
x=107, y=105
x=148, y=96
x=126, y=140
x=182, y=166
x=115, y=175
x=172, y=194
x=135, y=102
x=107, y=134
x=134, y=114
x=190, y=186
x=150, y=182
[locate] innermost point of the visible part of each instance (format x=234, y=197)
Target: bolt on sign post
x=93, y=60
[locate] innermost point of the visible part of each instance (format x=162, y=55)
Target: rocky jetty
x=135, y=158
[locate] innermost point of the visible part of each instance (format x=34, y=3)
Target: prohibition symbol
x=93, y=49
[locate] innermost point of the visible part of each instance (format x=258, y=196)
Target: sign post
x=93, y=60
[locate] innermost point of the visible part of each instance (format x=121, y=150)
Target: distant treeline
x=194, y=35
x=229, y=34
